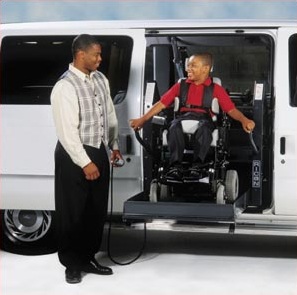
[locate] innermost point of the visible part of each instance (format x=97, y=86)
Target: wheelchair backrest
x=209, y=102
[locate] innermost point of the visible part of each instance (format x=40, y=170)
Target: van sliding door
x=285, y=160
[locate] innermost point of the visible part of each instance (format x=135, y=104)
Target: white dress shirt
x=65, y=108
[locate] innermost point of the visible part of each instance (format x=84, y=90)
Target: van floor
x=173, y=263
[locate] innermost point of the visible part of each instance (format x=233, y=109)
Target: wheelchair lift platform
x=140, y=208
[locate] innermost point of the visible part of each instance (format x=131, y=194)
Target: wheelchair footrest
x=186, y=174
x=194, y=180
x=185, y=179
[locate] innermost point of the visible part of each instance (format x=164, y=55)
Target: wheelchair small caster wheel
x=154, y=191
x=232, y=185
x=220, y=194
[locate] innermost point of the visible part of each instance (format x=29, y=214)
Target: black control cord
x=110, y=225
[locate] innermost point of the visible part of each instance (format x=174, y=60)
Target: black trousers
x=81, y=206
x=202, y=137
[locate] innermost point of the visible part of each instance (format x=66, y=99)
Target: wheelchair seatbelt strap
x=206, y=100
x=183, y=92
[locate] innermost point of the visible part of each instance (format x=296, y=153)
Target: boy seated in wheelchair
x=198, y=87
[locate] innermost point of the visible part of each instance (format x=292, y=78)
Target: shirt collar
x=207, y=82
x=79, y=73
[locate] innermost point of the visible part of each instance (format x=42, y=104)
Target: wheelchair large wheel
x=232, y=185
x=158, y=192
x=164, y=192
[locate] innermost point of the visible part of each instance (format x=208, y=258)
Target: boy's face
x=196, y=69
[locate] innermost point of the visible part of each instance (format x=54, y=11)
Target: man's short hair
x=83, y=42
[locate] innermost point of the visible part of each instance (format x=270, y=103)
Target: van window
x=31, y=65
x=293, y=69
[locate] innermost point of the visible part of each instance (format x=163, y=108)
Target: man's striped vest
x=93, y=125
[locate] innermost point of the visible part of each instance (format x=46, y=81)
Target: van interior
x=242, y=62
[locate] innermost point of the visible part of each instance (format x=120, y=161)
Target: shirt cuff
x=83, y=161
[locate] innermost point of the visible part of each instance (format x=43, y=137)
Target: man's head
x=199, y=66
x=86, y=51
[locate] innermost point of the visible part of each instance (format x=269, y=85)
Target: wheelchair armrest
x=176, y=105
x=158, y=120
x=215, y=137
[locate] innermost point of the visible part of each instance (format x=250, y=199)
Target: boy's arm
x=138, y=123
x=247, y=124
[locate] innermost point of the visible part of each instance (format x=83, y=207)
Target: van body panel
x=28, y=141
x=27, y=192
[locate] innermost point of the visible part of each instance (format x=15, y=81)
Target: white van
x=255, y=61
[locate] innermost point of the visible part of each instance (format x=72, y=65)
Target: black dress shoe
x=94, y=267
x=72, y=276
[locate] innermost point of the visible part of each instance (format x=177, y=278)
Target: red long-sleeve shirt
x=195, y=94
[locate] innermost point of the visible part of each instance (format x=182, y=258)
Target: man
x=86, y=124
x=198, y=70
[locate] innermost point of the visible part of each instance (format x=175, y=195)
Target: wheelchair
x=213, y=183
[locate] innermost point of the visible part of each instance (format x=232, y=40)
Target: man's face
x=92, y=57
x=196, y=69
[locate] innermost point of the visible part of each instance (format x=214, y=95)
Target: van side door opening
x=240, y=61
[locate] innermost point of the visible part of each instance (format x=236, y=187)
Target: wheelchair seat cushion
x=190, y=126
